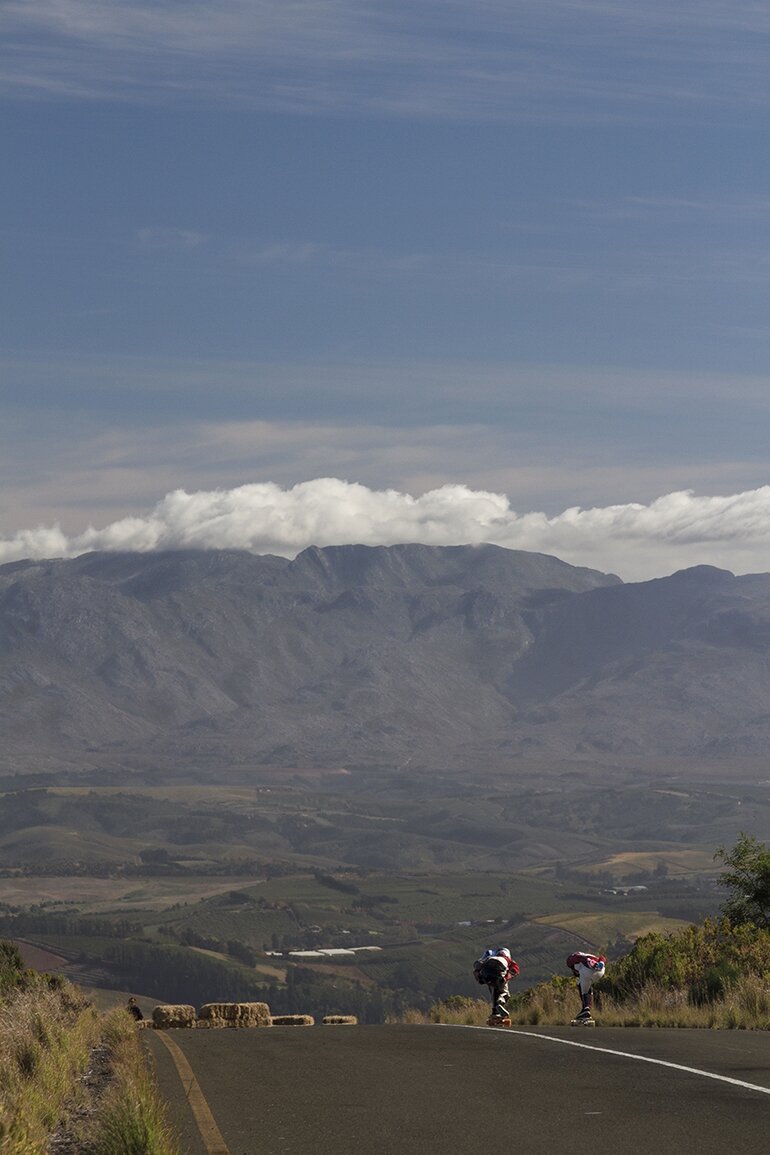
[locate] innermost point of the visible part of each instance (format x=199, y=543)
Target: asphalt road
x=399, y=1089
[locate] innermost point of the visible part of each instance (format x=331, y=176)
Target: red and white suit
x=586, y=968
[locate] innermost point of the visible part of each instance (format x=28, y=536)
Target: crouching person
x=133, y=1008
x=494, y=969
x=586, y=968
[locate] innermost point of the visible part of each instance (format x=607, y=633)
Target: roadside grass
x=745, y=1006
x=47, y=1033
x=130, y=1116
x=715, y=975
x=51, y=1038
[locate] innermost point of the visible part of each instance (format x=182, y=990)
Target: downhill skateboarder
x=494, y=969
x=586, y=968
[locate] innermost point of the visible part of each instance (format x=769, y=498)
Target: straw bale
x=340, y=1021
x=293, y=1021
x=235, y=1015
x=173, y=1015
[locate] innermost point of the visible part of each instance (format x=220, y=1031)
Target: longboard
x=583, y=1023
x=497, y=1021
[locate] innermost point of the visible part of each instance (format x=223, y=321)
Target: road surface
x=392, y=1090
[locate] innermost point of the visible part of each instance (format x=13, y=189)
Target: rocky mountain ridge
x=429, y=657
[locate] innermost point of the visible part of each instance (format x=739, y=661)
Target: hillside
x=434, y=658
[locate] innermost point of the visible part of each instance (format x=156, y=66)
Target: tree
x=11, y=966
x=748, y=881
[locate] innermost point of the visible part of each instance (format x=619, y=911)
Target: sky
x=292, y=272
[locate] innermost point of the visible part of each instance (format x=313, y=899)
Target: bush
x=704, y=961
x=11, y=967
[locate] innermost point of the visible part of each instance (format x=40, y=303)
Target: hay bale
x=339, y=1021
x=234, y=1015
x=293, y=1021
x=173, y=1015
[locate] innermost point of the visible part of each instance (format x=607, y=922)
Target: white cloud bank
x=636, y=541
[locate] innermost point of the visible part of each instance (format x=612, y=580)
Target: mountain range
x=405, y=656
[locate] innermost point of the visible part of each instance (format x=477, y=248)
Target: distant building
x=328, y=952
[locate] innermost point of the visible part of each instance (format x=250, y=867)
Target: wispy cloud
x=170, y=238
x=676, y=530
x=629, y=266
x=399, y=392
x=660, y=211
x=497, y=59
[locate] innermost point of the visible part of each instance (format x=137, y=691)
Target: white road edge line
x=609, y=1051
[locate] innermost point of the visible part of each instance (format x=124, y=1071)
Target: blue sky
x=513, y=247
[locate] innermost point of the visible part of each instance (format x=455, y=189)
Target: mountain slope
x=403, y=655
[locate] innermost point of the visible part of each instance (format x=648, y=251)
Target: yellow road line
x=210, y=1133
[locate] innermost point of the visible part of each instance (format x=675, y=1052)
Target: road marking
x=210, y=1133
x=621, y=1054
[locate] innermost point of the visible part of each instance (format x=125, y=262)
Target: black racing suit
x=493, y=971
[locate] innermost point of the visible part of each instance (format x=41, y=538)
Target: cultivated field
x=170, y=888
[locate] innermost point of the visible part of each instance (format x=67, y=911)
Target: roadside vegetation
x=130, y=1117
x=716, y=974
x=49, y=1036
x=46, y=1036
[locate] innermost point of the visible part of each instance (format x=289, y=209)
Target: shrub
x=12, y=972
x=704, y=961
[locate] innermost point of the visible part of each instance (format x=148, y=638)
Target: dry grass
x=97, y=895
x=130, y=1117
x=608, y=927
x=46, y=1037
x=745, y=1006
x=457, y=1009
x=691, y=860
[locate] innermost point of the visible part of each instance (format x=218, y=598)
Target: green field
x=144, y=885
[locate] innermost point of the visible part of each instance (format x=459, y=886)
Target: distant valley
x=209, y=757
